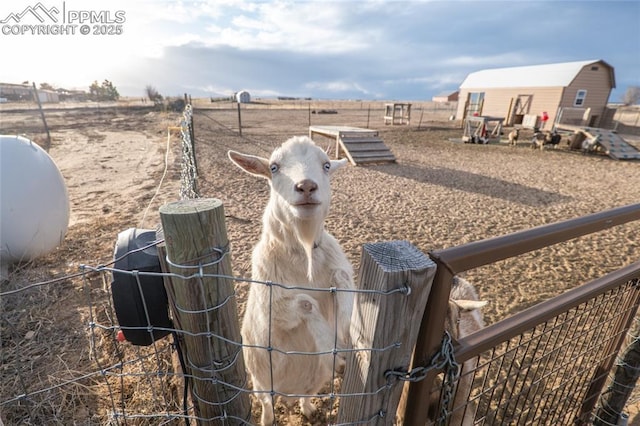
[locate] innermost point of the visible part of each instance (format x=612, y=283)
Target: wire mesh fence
x=159, y=372
x=541, y=375
x=546, y=374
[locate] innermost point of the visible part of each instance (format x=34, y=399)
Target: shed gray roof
x=443, y=94
x=549, y=75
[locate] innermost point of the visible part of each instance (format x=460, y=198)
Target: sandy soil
x=439, y=194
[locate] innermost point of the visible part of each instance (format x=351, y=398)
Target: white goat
x=513, y=137
x=590, y=144
x=295, y=250
x=464, y=318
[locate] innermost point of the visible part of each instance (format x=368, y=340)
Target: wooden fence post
x=204, y=307
x=382, y=321
x=44, y=120
x=192, y=135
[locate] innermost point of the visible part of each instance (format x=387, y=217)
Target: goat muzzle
x=306, y=186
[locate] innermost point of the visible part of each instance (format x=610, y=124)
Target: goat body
x=540, y=139
x=295, y=250
x=464, y=318
x=513, y=137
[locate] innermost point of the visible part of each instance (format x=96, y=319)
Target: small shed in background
x=575, y=92
x=446, y=97
x=243, y=97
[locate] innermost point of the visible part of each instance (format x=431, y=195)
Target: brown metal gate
x=545, y=365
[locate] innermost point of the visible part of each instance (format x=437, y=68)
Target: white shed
x=243, y=97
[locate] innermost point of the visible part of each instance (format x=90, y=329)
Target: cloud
x=339, y=86
x=297, y=27
x=486, y=61
x=377, y=49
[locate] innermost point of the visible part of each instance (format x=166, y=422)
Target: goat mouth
x=306, y=209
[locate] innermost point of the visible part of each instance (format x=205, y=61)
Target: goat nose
x=306, y=186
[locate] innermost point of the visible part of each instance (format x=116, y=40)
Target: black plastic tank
x=135, y=251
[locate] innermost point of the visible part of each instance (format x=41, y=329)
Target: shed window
x=580, y=97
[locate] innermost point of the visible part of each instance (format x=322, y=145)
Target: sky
x=347, y=49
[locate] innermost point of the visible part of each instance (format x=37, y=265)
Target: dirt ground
x=120, y=167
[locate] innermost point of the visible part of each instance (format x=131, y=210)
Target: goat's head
x=298, y=173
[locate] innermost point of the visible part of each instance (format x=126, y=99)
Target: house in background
x=24, y=92
x=574, y=92
x=446, y=97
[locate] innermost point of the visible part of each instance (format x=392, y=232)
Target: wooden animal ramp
x=613, y=144
x=360, y=146
x=365, y=149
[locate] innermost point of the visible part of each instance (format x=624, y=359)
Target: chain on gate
x=188, y=173
x=442, y=360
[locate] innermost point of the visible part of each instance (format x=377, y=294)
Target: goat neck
x=292, y=231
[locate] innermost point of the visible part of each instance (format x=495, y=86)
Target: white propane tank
x=34, y=202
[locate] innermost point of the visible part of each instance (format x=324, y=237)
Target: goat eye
x=274, y=167
x=327, y=166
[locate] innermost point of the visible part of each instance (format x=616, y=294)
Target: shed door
x=473, y=106
x=521, y=107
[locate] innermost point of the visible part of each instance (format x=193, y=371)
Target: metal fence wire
x=151, y=367
x=523, y=375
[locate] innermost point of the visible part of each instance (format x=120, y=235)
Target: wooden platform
x=360, y=146
x=397, y=113
x=482, y=128
x=611, y=142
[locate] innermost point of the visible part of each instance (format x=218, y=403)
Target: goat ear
x=469, y=305
x=251, y=164
x=338, y=164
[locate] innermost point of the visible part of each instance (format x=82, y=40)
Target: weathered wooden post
x=44, y=120
x=384, y=321
x=192, y=135
x=421, y=114
x=204, y=307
